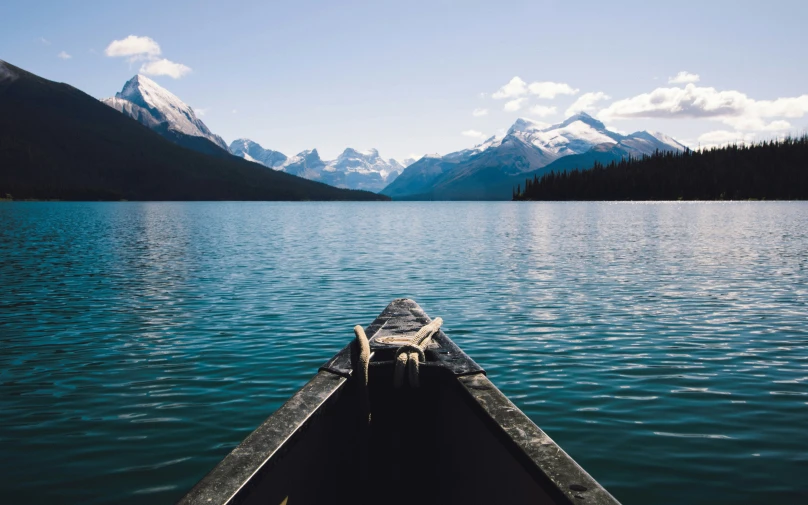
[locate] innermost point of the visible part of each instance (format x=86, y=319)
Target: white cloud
x=134, y=46
x=515, y=87
x=514, y=105
x=473, y=134
x=732, y=108
x=779, y=125
x=235, y=111
x=44, y=41
x=616, y=130
x=719, y=138
x=586, y=103
x=753, y=123
x=684, y=77
x=542, y=110
x=138, y=48
x=479, y=112
x=482, y=94
x=200, y=111
x=63, y=55
x=165, y=67
x=551, y=89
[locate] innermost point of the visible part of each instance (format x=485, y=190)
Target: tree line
x=772, y=170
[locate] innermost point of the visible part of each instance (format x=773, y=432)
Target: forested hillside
x=776, y=170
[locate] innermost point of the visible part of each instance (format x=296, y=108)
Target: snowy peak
x=575, y=135
x=352, y=169
x=252, y=151
x=163, y=106
x=665, y=139
x=645, y=142
x=134, y=111
x=491, y=141
x=306, y=164
x=370, y=156
x=366, y=163
x=523, y=125
x=584, y=118
x=308, y=158
x=244, y=145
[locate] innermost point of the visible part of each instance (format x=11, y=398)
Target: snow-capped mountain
x=252, y=151
x=57, y=142
x=353, y=169
x=581, y=132
x=362, y=170
x=306, y=164
x=159, y=109
x=490, y=169
x=575, y=135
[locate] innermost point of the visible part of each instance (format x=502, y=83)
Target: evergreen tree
x=767, y=170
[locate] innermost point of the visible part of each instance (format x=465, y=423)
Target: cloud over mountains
x=745, y=118
x=138, y=48
x=732, y=108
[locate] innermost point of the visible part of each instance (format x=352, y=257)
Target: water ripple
x=142, y=341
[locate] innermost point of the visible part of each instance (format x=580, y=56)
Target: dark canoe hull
x=455, y=439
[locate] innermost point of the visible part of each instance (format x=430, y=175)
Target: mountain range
x=57, y=142
x=488, y=171
x=492, y=169
x=157, y=108
x=352, y=169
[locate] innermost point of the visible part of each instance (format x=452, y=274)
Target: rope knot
x=410, y=354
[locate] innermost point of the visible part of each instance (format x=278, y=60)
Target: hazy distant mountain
x=159, y=109
x=491, y=169
x=57, y=142
x=252, y=151
x=306, y=164
x=361, y=170
x=352, y=169
x=409, y=161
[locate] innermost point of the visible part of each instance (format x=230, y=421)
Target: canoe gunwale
x=566, y=480
x=233, y=478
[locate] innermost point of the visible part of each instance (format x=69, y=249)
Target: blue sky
x=407, y=77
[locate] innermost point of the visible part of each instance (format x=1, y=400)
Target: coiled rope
x=407, y=358
x=410, y=354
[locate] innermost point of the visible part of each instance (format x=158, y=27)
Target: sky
x=410, y=78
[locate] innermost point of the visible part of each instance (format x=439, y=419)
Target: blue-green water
x=663, y=345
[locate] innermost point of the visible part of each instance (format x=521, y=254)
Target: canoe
x=446, y=434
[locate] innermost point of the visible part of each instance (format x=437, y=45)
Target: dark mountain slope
x=488, y=175
x=492, y=169
x=57, y=142
x=418, y=177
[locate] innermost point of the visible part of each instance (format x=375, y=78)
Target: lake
x=664, y=346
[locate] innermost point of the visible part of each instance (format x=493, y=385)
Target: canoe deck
x=454, y=439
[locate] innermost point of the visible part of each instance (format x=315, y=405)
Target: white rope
x=410, y=354
x=360, y=367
